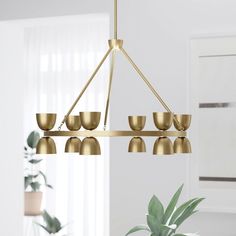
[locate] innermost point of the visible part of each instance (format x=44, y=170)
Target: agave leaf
x=48, y=220
x=171, y=207
x=28, y=180
x=33, y=139
x=155, y=208
x=35, y=186
x=35, y=161
x=180, y=210
x=138, y=228
x=153, y=224
x=45, y=228
x=57, y=224
x=188, y=212
x=44, y=177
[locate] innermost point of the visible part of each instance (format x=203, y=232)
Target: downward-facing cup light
x=184, y=121
x=90, y=146
x=73, y=145
x=182, y=145
x=163, y=146
x=46, y=121
x=163, y=120
x=73, y=123
x=90, y=120
x=46, y=145
x=137, y=123
x=137, y=144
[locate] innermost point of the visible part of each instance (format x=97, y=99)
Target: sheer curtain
x=59, y=58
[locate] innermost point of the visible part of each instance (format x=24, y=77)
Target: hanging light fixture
x=90, y=120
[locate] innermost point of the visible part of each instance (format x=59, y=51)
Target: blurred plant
x=162, y=222
x=33, y=177
x=52, y=224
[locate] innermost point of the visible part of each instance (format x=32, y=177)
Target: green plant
x=53, y=225
x=33, y=177
x=162, y=222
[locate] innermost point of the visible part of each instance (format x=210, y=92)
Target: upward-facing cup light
x=137, y=123
x=163, y=120
x=184, y=121
x=90, y=120
x=73, y=123
x=46, y=121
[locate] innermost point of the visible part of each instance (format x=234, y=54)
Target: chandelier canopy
x=90, y=120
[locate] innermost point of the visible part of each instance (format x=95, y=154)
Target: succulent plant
x=52, y=224
x=165, y=222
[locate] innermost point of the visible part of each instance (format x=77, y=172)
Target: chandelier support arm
x=85, y=87
x=109, y=88
x=115, y=19
x=148, y=83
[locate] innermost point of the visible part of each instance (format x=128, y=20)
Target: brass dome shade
x=137, y=144
x=73, y=145
x=90, y=120
x=137, y=123
x=73, y=123
x=163, y=146
x=182, y=145
x=46, y=145
x=90, y=146
x=163, y=120
x=46, y=121
x=184, y=121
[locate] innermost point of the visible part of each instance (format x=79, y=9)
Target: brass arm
x=109, y=87
x=85, y=87
x=148, y=83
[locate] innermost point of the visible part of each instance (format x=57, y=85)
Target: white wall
x=156, y=34
x=11, y=161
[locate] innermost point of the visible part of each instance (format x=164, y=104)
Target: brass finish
x=46, y=145
x=137, y=144
x=163, y=146
x=109, y=88
x=182, y=145
x=147, y=82
x=90, y=146
x=46, y=121
x=115, y=18
x=137, y=123
x=73, y=145
x=163, y=120
x=115, y=43
x=85, y=87
x=184, y=120
x=90, y=120
x=73, y=123
x=116, y=133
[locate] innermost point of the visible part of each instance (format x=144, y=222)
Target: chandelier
x=90, y=120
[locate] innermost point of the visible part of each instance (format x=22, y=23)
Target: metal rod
x=148, y=84
x=85, y=87
x=109, y=88
x=115, y=18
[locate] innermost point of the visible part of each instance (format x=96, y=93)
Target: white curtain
x=59, y=58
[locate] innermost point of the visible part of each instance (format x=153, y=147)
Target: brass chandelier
x=90, y=120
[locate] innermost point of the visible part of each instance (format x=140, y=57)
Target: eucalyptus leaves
x=162, y=222
x=34, y=178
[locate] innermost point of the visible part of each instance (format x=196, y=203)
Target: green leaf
x=35, y=161
x=179, y=235
x=180, y=210
x=188, y=212
x=153, y=224
x=28, y=181
x=33, y=139
x=45, y=228
x=57, y=224
x=171, y=207
x=156, y=209
x=138, y=228
x=35, y=186
x=48, y=220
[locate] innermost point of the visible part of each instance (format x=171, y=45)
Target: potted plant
x=52, y=224
x=34, y=178
x=165, y=222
